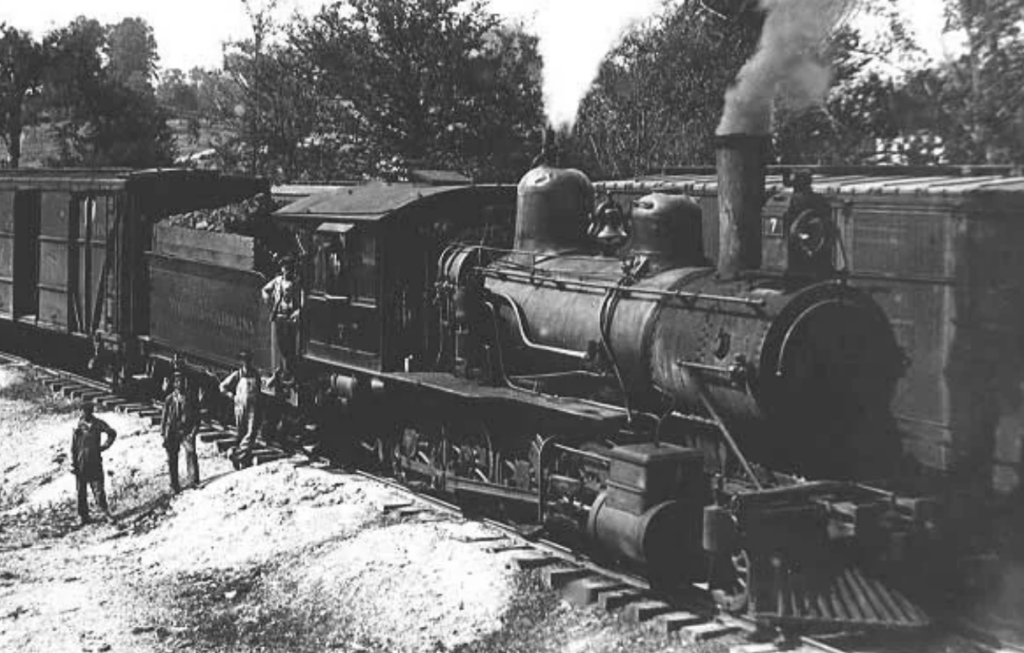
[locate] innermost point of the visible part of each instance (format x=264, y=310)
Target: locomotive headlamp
x=809, y=233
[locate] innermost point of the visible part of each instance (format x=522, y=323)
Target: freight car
x=627, y=395
x=74, y=281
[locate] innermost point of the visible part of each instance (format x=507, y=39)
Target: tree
x=127, y=128
x=983, y=91
x=98, y=116
x=218, y=94
x=21, y=66
x=73, y=75
x=435, y=82
x=862, y=107
x=658, y=97
x=132, y=54
x=261, y=20
x=280, y=118
x=971, y=106
x=177, y=93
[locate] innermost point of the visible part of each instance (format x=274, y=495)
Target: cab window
x=346, y=265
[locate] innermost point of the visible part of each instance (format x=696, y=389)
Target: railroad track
x=688, y=614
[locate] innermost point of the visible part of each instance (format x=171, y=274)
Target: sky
x=191, y=32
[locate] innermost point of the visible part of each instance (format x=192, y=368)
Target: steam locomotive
x=601, y=379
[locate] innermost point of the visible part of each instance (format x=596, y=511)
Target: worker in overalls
x=87, y=460
x=284, y=295
x=178, y=427
x=243, y=385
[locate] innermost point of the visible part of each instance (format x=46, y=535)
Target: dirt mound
x=251, y=516
x=287, y=543
x=279, y=558
x=435, y=587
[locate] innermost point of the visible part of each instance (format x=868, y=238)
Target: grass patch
x=52, y=521
x=249, y=609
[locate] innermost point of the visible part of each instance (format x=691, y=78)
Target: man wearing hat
x=284, y=295
x=178, y=428
x=244, y=385
x=87, y=461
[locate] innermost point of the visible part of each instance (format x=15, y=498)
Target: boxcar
x=72, y=245
x=945, y=257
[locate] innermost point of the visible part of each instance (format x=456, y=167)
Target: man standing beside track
x=87, y=461
x=178, y=428
x=244, y=385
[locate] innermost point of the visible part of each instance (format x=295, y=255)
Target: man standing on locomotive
x=244, y=385
x=178, y=427
x=87, y=461
x=284, y=294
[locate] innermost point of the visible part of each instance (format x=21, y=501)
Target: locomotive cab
x=372, y=258
x=342, y=303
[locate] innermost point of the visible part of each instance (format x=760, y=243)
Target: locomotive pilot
x=244, y=385
x=284, y=294
x=87, y=460
x=178, y=427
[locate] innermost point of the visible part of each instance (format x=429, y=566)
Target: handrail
x=632, y=290
x=520, y=323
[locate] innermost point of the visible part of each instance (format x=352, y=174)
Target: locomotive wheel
x=730, y=582
x=420, y=444
x=471, y=453
x=384, y=454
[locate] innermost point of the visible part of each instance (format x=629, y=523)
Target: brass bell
x=609, y=216
x=611, y=233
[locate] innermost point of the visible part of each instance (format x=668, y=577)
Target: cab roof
x=377, y=201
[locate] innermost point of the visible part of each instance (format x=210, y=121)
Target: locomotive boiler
x=799, y=367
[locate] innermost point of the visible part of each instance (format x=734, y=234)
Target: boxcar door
x=95, y=229
x=26, y=254
x=7, y=250
x=56, y=308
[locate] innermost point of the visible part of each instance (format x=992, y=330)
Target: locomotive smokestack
x=741, y=172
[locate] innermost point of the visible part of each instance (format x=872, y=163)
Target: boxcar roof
x=371, y=202
x=75, y=179
x=859, y=182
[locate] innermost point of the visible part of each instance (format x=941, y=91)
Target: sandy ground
x=282, y=557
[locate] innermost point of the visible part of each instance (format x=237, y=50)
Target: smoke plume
x=787, y=65
x=575, y=36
